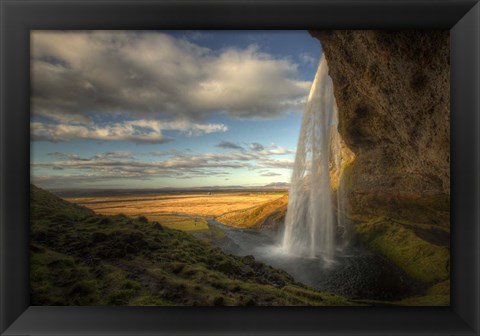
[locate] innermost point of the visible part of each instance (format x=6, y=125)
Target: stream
x=355, y=273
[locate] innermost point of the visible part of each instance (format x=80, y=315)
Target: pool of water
x=355, y=272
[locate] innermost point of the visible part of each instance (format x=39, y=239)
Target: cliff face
x=392, y=90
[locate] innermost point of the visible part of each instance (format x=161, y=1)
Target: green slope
x=421, y=250
x=80, y=258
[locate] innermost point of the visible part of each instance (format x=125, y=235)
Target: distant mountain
x=87, y=192
x=283, y=185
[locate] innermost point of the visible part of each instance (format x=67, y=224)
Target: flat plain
x=169, y=208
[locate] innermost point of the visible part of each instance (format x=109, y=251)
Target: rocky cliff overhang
x=393, y=94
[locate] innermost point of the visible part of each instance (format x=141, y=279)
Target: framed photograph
x=226, y=167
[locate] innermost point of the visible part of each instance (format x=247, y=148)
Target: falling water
x=314, y=222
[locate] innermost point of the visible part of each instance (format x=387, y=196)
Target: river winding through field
x=356, y=273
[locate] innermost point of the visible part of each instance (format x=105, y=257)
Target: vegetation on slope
x=80, y=258
x=267, y=215
x=421, y=250
x=183, y=223
x=421, y=259
x=437, y=295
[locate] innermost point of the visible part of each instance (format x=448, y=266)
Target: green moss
x=79, y=258
x=420, y=259
x=427, y=301
x=57, y=279
x=310, y=297
x=437, y=295
x=442, y=288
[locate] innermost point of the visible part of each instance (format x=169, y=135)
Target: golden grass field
x=165, y=208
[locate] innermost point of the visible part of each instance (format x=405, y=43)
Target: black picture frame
x=18, y=17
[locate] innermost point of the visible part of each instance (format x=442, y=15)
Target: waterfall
x=316, y=206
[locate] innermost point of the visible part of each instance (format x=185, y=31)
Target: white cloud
x=142, y=131
x=154, y=76
x=115, y=155
x=272, y=163
x=276, y=150
x=307, y=59
x=270, y=174
x=171, y=164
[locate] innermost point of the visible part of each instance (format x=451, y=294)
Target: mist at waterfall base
x=314, y=245
x=356, y=273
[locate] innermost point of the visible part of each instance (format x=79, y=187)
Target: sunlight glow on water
x=314, y=214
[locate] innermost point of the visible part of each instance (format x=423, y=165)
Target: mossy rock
x=420, y=259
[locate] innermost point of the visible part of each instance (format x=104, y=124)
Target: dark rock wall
x=393, y=94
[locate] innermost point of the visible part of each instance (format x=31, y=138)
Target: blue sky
x=167, y=109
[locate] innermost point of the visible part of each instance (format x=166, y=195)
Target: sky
x=167, y=109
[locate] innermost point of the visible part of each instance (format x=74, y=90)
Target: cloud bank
x=140, y=131
x=78, y=77
x=117, y=165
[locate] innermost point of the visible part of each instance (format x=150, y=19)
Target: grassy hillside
x=183, y=223
x=80, y=258
x=267, y=215
x=421, y=250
